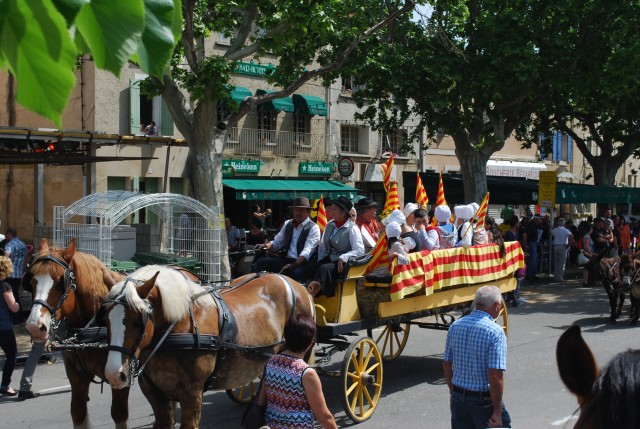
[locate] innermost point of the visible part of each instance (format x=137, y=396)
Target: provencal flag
x=393, y=201
x=482, y=211
x=387, y=168
x=421, y=195
x=380, y=254
x=322, y=215
x=440, y=200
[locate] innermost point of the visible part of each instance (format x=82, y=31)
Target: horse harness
x=223, y=342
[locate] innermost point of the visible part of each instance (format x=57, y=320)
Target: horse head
x=607, y=398
x=128, y=316
x=51, y=279
x=628, y=271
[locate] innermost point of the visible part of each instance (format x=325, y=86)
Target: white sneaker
x=521, y=301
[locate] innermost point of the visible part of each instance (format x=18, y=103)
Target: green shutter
x=134, y=106
x=116, y=183
x=166, y=121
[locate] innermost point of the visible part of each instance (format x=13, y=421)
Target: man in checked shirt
x=475, y=358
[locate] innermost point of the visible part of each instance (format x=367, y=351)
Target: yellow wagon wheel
x=362, y=379
x=244, y=394
x=503, y=318
x=392, y=340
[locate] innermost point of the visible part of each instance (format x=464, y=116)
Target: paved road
x=414, y=393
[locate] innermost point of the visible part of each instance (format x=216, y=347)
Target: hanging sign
x=345, y=166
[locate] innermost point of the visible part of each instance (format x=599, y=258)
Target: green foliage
x=40, y=40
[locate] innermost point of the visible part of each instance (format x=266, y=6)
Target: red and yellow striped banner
x=393, y=200
x=440, y=199
x=380, y=253
x=431, y=271
x=421, y=194
x=322, y=215
x=387, y=168
x=482, y=212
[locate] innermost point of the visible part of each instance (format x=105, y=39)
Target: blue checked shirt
x=475, y=343
x=17, y=251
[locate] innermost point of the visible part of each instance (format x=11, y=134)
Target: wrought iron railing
x=246, y=141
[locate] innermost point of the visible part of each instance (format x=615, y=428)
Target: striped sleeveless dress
x=287, y=405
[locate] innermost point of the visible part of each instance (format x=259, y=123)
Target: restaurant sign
x=316, y=168
x=253, y=69
x=241, y=166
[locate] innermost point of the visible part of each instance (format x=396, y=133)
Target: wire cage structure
x=186, y=228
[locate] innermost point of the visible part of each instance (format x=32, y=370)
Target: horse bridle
x=69, y=285
x=147, y=316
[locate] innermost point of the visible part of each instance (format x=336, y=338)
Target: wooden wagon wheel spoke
x=503, y=318
x=244, y=394
x=392, y=340
x=362, y=379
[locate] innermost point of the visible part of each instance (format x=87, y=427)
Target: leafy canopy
x=41, y=39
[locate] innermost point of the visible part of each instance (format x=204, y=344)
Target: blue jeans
x=26, y=381
x=275, y=265
x=470, y=412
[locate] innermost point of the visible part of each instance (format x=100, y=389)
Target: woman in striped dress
x=291, y=390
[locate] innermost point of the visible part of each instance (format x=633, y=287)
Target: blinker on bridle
x=69, y=284
x=134, y=362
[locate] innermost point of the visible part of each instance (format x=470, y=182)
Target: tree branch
x=187, y=36
x=244, y=29
x=253, y=48
x=247, y=105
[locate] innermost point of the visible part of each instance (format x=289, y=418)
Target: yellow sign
x=547, y=189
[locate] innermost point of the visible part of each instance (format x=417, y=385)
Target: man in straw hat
x=297, y=241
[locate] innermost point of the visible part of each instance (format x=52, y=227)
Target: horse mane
x=90, y=281
x=173, y=287
x=615, y=395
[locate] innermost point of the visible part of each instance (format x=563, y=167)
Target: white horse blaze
x=44, y=285
x=114, y=360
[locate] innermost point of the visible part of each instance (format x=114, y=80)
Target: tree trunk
x=604, y=172
x=473, y=167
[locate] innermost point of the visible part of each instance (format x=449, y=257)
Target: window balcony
x=269, y=143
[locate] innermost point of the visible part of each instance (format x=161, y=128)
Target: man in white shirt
x=562, y=239
x=297, y=241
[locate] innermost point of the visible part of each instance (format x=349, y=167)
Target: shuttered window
x=143, y=110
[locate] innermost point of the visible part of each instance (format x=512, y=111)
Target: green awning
x=240, y=93
x=284, y=104
x=309, y=105
x=287, y=189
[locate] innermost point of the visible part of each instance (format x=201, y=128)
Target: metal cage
x=186, y=227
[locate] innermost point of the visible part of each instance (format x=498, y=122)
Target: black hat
x=327, y=202
x=365, y=203
x=598, y=219
x=301, y=202
x=344, y=203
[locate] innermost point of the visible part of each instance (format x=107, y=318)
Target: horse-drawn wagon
x=431, y=284
x=148, y=310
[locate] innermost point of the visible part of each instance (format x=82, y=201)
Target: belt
x=472, y=393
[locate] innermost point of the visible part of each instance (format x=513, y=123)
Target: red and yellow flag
x=482, y=211
x=421, y=195
x=441, y=200
x=393, y=200
x=380, y=254
x=322, y=215
x=387, y=168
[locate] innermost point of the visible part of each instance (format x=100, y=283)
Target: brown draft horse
x=252, y=313
x=70, y=286
x=609, y=398
x=618, y=276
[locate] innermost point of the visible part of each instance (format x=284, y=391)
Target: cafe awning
x=287, y=189
x=240, y=93
x=284, y=104
x=309, y=105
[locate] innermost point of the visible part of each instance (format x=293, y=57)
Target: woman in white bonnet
x=446, y=230
x=464, y=214
x=395, y=244
x=410, y=237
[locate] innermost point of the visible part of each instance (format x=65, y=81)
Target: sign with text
x=323, y=168
x=253, y=69
x=240, y=166
x=547, y=189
